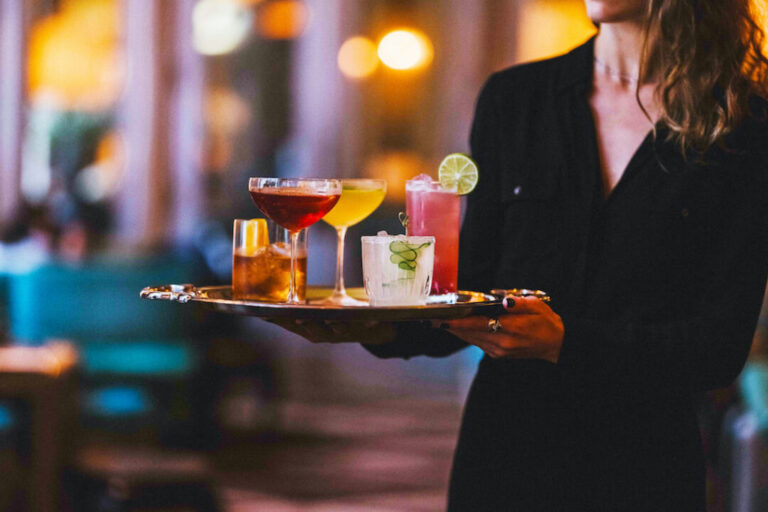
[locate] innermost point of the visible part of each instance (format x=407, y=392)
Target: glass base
x=444, y=298
x=341, y=299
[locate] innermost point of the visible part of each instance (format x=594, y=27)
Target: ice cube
x=420, y=182
x=281, y=250
x=382, y=233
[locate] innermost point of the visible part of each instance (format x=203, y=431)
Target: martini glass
x=359, y=198
x=294, y=203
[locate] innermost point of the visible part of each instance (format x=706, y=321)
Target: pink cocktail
x=435, y=211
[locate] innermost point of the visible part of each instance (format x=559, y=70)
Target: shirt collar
x=577, y=68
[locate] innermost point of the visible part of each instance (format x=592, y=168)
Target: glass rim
x=310, y=180
x=322, y=186
x=363, y=180
x=404, y=238
x=432, y=186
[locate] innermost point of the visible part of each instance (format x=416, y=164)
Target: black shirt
x=659, y=286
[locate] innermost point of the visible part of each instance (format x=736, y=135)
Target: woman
x=628, y=179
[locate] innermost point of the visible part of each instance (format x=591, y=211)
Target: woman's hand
x=530, y=330
x=325, y=331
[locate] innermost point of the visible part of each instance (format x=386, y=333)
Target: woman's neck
x=618, y=50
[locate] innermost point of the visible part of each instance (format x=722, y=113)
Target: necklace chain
x=624, y=77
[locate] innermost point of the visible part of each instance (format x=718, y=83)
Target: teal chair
x=141, y=361
x=99, y=301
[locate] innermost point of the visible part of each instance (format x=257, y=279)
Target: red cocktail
x=294, y=204
x=293, y=208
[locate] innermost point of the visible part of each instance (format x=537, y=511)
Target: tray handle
x=520, y=292
x=182, y=293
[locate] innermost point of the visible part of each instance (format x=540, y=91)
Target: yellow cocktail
x=359, y=198
x=356, y=204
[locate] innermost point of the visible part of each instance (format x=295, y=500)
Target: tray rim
x=489, y=305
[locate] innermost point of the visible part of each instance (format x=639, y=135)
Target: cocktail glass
x=294, y=203
x=261, y=261
x=397, y=269
x=359, y=198
x=436, y=211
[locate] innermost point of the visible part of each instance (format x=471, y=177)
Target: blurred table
x=41, y=380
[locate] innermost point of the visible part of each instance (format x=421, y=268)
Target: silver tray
x=220, y=299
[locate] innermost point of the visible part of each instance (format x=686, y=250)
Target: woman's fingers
x=518, y=324
x=529, y=329
x=470, y=322
x=524, y=305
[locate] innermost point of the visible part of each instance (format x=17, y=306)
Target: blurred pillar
x=475, y=44
x=351, y=150
x=187, y=128
x=325, y=104
x=502, y=28
x=143, y=205
x=15, y=19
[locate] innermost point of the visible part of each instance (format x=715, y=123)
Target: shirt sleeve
x=707, y=349
x=478, y=256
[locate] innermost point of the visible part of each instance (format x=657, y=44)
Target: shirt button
x=516, y=191
x=685, y=212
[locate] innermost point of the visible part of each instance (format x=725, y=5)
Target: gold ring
x=494, y=325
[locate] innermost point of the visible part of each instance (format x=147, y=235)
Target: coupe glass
x=359, y=198
x=294, y=203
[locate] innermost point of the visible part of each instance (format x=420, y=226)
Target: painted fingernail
x=508, y=302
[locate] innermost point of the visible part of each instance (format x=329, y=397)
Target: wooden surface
x=42, y=379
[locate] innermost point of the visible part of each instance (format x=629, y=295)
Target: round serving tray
x=220, y=299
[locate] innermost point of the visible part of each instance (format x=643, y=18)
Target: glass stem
x=339, y=290
x=293, y=296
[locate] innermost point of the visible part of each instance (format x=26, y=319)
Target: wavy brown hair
x=708, y=58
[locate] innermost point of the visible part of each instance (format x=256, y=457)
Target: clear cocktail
x=436, y=211
x=397, y=270
x=359, y=198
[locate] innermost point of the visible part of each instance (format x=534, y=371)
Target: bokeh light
x=282, y=19
x=405, y=49
x=760, y=7
x=548, y=28
x=357, y=57
x=220, y=26
x=396, y=167
x=73, y=57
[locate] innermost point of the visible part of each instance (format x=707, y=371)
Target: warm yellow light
x=405, y=49
x=396, y=167
x=73, y=55
x=551, y=28
x=357, y=57
x=761, y=9
x=282, y=19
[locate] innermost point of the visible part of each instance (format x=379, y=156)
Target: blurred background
x=128, y=132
